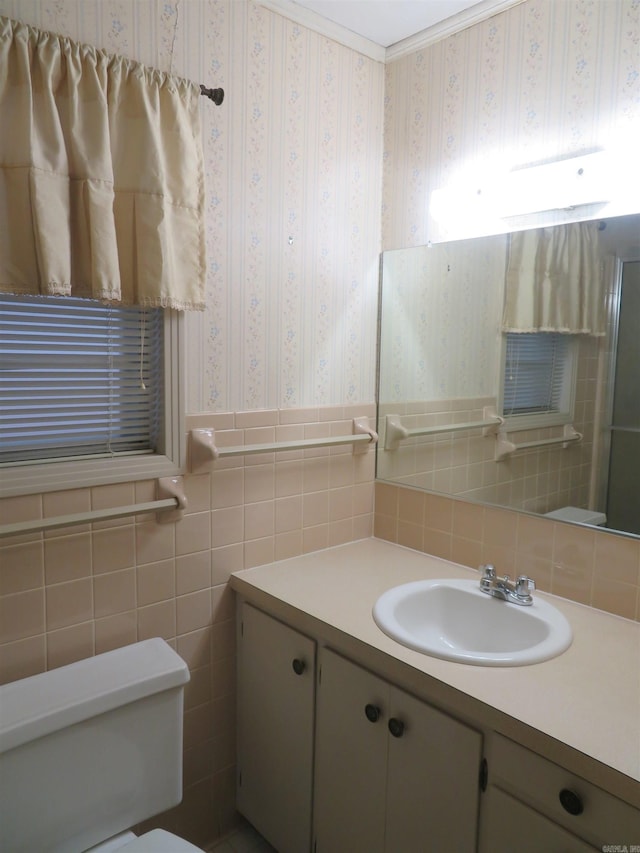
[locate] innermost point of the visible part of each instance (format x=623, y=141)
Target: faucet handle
x=524, y=585
x=488, y=571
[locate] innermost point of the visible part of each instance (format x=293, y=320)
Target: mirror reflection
x=510, y=370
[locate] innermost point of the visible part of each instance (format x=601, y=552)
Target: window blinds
x=535, y=376
x=78, y=378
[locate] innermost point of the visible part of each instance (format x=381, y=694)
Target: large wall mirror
x=510, y=371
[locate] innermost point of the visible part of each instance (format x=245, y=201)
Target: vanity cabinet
x=334, y=758
x=532, y=804
x=276, y=686
x=391, y=772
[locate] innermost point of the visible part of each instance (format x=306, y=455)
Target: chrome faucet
x=518, y=591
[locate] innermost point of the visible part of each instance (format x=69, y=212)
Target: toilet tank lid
x=573, y=513
x=44, y=703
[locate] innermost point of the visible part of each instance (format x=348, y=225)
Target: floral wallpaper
x=544, y=80
x=293, y=161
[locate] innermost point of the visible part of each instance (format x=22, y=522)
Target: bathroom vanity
x=349, y=741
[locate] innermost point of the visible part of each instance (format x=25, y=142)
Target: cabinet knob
x=298, y=666
x=372, y=713
x=396, y=727
x=571, y=802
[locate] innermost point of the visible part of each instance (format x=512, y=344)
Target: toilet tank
x=90, y=749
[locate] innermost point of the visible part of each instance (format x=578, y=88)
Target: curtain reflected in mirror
x=510, y=371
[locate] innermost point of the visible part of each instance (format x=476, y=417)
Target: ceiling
x=387, y=22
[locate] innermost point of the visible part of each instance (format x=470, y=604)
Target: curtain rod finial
x=216, y=95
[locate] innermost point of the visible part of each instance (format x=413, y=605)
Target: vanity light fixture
x=560, y=185
x=475, y=203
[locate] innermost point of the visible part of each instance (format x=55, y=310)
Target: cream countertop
x=581, y=709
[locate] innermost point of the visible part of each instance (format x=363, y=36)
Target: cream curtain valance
x=101, y=175
x=554, y=281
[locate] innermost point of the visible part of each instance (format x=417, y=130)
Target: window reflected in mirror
x=509, y=370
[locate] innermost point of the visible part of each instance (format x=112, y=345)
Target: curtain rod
x=216, y=95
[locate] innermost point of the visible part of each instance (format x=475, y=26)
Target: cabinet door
x=276, y=681
x=508, y=825
x=351, y=756
x=433, y=779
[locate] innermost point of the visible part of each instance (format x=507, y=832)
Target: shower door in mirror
x=623, y=500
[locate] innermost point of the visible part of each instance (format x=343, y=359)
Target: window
x=538, y=379
x=88, y=393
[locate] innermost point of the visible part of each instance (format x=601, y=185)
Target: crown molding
x=467, y=18
x=455, y=24
x=301, y=15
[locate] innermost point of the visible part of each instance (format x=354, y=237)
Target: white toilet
x=582, y=516
x=91, y=749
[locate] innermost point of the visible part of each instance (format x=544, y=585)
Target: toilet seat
x=159, y=841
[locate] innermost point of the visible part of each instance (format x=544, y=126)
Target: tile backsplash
x=586, y=564
x=69, y=593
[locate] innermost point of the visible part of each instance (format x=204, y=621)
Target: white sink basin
x=453, y=619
